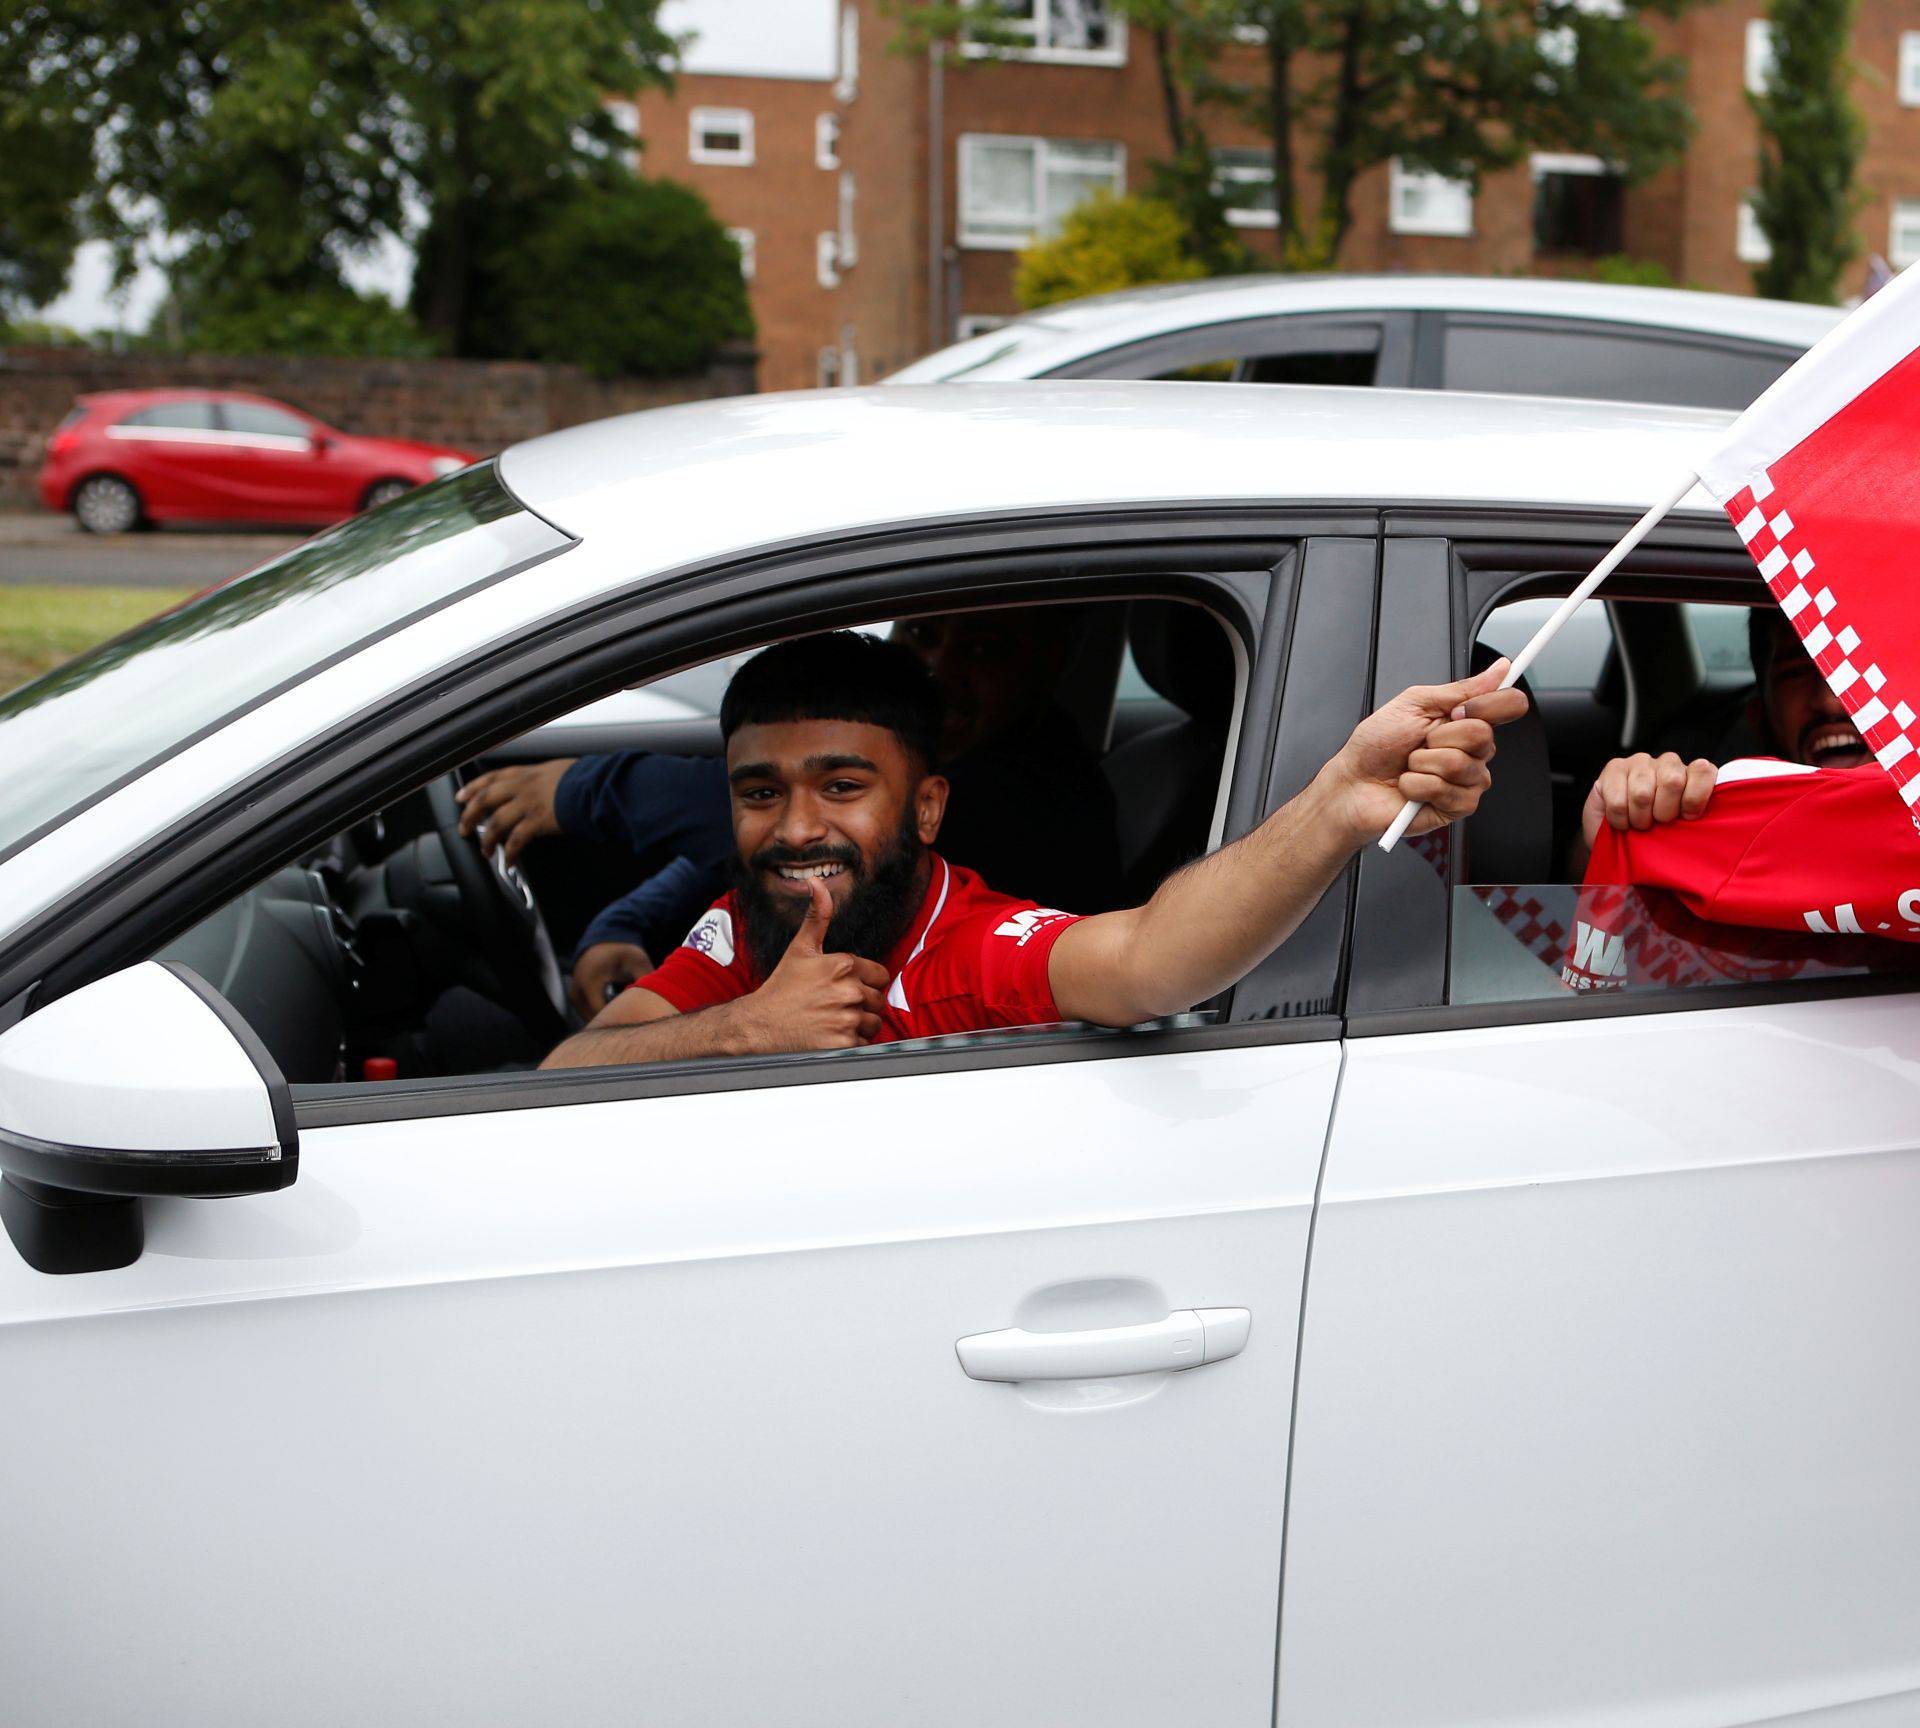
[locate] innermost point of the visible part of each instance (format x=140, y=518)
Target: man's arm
x=813, y=1001
x=1210, y=924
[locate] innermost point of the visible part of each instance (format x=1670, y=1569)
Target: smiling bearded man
x=845, y=927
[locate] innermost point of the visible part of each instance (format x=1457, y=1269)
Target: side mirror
x=141, y=1084
x=322, y=443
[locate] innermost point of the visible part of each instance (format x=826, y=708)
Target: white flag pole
x=1551, y=628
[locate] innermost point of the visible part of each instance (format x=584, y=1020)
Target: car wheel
x=106, y=504
x=384, y=492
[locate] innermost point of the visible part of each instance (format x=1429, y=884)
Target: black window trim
x=1490, y=560
x=1225, y=552
x=1536, y=323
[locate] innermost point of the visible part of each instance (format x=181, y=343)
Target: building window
x=721, y=136
x=849, y=250
x=1083, y=31
x=1243, y=182
x=1579, y=205
x=1750, y=242
x=1903, y=239
x=1759, y=56
x=826, y=141
x=847, y=85
x=1910, y=68
x=1561, y=44
x=626, y=116
x=1016, y=190
x=826, y=260
x=1422, y=202
x=743, y=239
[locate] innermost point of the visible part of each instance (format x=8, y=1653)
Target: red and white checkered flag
x=1821, y=477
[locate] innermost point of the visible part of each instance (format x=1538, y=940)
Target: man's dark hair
x=840, y=675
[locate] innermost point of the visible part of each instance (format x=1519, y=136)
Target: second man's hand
x=507, y=807
x=603, y=971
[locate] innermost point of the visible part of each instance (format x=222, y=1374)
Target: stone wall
x=477, y=405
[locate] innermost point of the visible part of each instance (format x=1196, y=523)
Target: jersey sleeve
x=704, y=970
x=1013, y=951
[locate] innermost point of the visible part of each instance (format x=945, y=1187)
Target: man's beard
x=869, y=923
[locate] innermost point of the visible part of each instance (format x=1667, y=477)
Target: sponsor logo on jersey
x=1023, y=925
x=713, y=937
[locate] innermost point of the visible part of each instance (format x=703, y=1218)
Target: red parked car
x=125, y=457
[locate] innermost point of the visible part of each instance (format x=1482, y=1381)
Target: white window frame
x=826, y=141
x=1561, y=45
x=980, y=241
x=1403, y=181
x=826, y=259
x=1040, y=18
x=749, y=250
x=737, y=120
x=849, y=253
x=1906, y=212
x=1226, y=176
x=1758, y=62
x=1750, y=242
x=847, y=85
x=1909, y=80
x=1565, y=162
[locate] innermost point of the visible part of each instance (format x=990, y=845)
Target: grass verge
x=40, y=627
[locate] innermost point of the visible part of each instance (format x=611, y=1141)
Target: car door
x=1606, y=1389
x=175, y=455
x=279, y=472
x=636, y=1393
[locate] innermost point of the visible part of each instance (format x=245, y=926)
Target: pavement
x=43, y=549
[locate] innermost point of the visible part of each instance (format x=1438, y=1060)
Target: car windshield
x=95, y=722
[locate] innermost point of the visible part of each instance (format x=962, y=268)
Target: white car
x=1509, y=335
x=1402, y=1339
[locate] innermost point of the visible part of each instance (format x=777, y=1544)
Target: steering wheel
x=502, y=914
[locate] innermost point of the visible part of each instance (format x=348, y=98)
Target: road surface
x=41, y=549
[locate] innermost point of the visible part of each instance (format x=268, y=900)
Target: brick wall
x=478, y=405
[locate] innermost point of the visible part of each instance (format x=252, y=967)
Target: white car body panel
x=653, y=1408
x=724, y=478
x=1055, y=336
x=1642, y=1288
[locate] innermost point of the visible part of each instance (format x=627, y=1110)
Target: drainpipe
x=938, y=324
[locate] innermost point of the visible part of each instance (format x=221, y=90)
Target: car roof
x=703, y=479
x=1054, y=336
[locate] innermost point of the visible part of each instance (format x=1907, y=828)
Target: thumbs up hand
x=816, y=1000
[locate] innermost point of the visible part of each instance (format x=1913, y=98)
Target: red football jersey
x=1782, y=847
x=972, y=959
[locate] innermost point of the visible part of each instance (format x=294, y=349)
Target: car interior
x=399, y=950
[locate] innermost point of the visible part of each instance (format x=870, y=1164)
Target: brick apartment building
x=879, y=199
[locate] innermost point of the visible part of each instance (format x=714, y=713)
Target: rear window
x=1544, y=359
x=174, y=416
x=263, y=420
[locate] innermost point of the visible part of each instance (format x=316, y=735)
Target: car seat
x=1166, y=781
x=1510, y=837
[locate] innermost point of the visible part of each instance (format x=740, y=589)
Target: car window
x=174, y=416
x=74, y=733
x=1514, y=357
x=264, y=420
x=1523, y=925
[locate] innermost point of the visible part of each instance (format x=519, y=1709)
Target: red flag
x=1821, y=477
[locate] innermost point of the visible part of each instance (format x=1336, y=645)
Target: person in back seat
x=1794, y=714
x=1030, y=808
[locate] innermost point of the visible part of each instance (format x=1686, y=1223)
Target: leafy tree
x=46, y=163
x=269, y=142
x=1811, y=137
x=1340, y=87
x=1105, y=244
x=620, y=275
x=208, y=317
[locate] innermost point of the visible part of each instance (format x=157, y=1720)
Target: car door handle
x=1187, y=1338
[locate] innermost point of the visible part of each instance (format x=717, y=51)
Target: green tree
x=247, y=318
x=1105, y=244
x=269, y=143
x=1341, y=87
x=1811, y=137
x=662, y=284
x=46, y=164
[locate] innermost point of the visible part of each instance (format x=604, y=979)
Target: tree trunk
x=1336, y=191
x=443, y=309
x=1170, y=91
x=1280, y=120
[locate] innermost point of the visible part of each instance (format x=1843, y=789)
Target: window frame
x=705, y=119
x=977, y=240
x=1756, y=56
x=1044, y=53
x=1275, y=334
x=1443, y=573
x=1227, y=175
x=1750, y=242
x=747, y=243
x=1905, y=210
x=1907, y=69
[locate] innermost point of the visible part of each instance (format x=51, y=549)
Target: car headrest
x=1510, y=837
x=1183, y=653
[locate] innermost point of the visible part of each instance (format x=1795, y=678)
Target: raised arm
x=1210, y=924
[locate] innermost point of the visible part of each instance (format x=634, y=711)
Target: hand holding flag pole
x=1551, y=628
